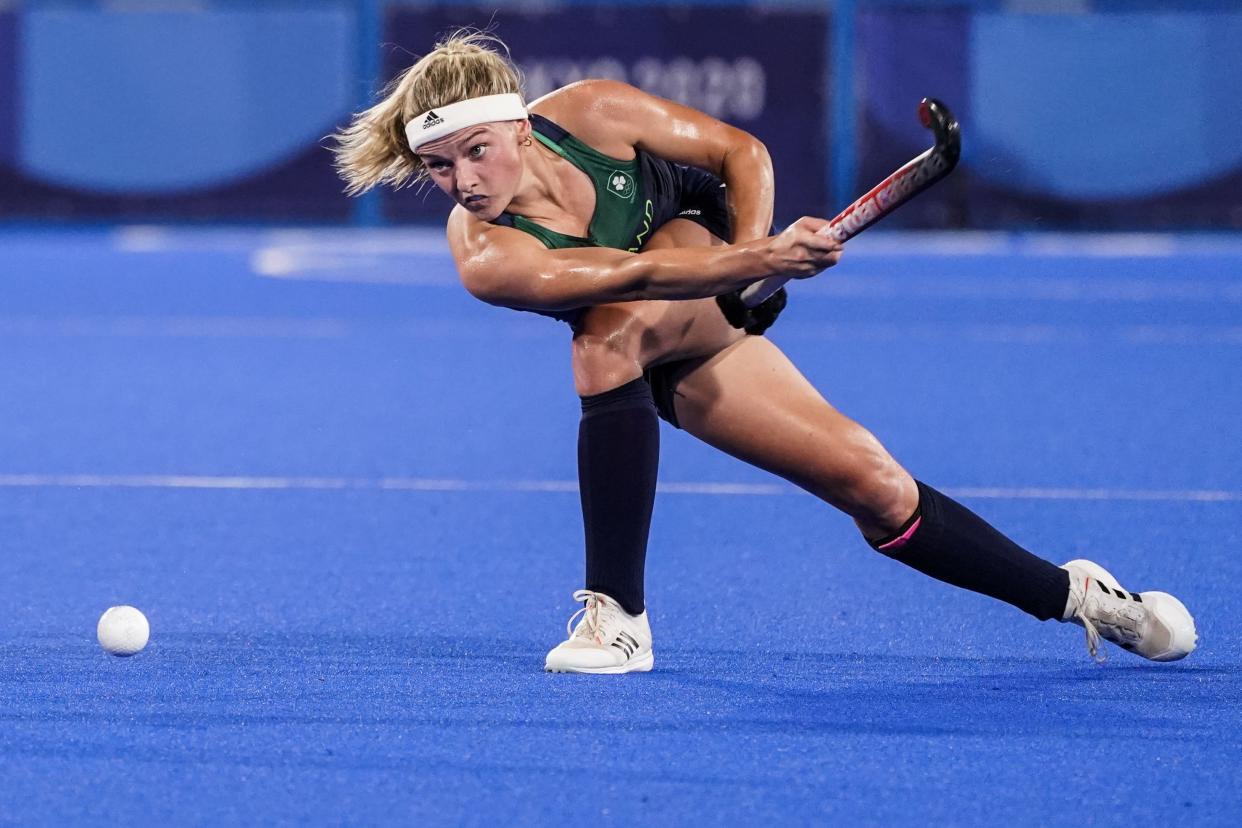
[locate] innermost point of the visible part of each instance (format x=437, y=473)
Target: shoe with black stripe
x=1154, y=625
x=606, y=640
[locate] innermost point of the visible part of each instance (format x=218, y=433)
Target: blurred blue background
x=1076, y=113
x=344, y=491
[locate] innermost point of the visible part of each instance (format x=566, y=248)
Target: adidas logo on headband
x=434, y=124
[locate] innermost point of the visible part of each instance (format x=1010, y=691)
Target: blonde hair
x=373, y=149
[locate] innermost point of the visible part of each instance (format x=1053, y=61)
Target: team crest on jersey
x=621, y=184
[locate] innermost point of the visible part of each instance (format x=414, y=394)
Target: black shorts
x=690, y=193
x=663, y=380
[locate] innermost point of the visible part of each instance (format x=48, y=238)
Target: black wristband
x=733, y=308
x=754, y=320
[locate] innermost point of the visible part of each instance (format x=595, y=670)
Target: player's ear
x=523, y=131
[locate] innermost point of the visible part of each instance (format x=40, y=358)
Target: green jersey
x=633, y=198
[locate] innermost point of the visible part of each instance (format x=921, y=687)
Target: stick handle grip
x=912, y=178
x=757, y=293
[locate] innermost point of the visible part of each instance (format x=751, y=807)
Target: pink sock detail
x=900, y=541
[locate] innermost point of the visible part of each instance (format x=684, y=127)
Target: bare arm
x=617, y=117
x=503, y=266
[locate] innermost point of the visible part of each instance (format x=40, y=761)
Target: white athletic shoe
x=606, y=640
x=1154, y=625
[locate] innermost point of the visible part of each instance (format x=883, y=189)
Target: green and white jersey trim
x=623, y=216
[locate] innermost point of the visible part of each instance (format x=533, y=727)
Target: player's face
x=478, y=167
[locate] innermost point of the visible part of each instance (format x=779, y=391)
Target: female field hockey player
x=624, y=215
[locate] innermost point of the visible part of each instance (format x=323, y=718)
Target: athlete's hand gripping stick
x=914, y=177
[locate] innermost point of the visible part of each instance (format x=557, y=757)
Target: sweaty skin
x=494, y=167
x=491, y=168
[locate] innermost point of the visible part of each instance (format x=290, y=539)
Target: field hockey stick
x=917, y=175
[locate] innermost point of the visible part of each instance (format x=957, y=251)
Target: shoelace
x=1093, y=635
x=1080, y=612
x=1108, y=618
x=591, y=610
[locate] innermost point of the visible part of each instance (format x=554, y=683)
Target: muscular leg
x=616, y=342
x=740, y=394
x=793, y=433
x=619, y=435
x=750, y=401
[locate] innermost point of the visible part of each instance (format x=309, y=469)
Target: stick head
x=936, y=116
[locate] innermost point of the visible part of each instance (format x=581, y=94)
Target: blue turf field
x=342, y=491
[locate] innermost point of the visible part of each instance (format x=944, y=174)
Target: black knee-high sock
x=949, y=542
x=618, y=455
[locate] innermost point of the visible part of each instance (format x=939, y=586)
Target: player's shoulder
x=467, y=235
x=470, y=237
x=489, y=257
x=590, y=92
x=596, y=110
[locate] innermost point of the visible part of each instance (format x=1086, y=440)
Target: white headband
x=444, y=120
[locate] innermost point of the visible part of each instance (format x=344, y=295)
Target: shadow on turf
x=191, y=681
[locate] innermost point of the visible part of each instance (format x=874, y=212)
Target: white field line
x=396, y=240
x=1036, y=493
x=307, y=263
x=280, y=264
x=336, y=264
x=1048, y=288
x=170, y=481
x=1006, y=334
x=205, y=327
x=877, y=242
x=224, y=327
x=419, y=257
x=431, y=484
x=984, y=243
x=399, y=255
